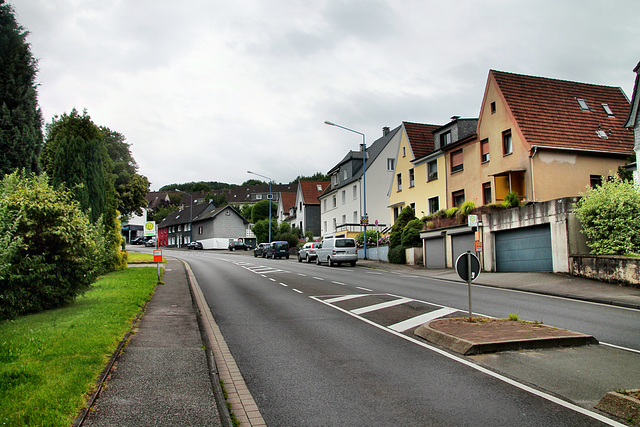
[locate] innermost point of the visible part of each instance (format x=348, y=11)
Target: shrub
x=451, y=212
x=467, y=207
x=372, y=237
x=397, y=255
x=48, y=251
x=395, y=237
x=610, y=217
x=511, y=200
x=411, y=234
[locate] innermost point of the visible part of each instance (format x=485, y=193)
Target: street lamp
x=270, y=199
x=190, y=214
x=365, y=217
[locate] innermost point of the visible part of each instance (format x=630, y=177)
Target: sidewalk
x=162, y=378
x=543, y=283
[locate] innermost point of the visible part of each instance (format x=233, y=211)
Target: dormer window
x=607, y=110
x=445, y=139
x=319, y=187
x=583, y=104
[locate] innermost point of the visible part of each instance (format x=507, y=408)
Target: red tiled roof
x=310, y=190
x=288, y=200
x=548, y=114
x=420, y=138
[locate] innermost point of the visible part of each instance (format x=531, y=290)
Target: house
x=342, y=202
x=633, y=122
x=406, y=185
x=307, y=206
x=541, y=138
x=176, y=229
x=216, y=227
x=286, y=207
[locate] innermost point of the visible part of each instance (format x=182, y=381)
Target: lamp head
x=327, y=122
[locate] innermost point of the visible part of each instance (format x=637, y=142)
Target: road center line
x=364, y=289
x=296, y=290
x=284, y=284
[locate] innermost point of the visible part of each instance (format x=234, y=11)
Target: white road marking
x=419, y=320
x=318, y=278
x=295, y=290
x=284, y=284
x=380, y=306
x=339, y=283
x=344, y=298
x=364, y=289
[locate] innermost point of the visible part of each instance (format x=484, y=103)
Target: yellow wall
x=426, y=190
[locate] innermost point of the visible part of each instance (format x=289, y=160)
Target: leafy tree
x=48, y=250
x=20, y=117
x=395, y=237
x=163, y=212
x=610, y=217
x=261, y=230
x=250, y=182
x=131, y=187
x=260, y=211
x=411, y=233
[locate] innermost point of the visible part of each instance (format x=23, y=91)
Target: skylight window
x=602, y=134
x=583, y=104
x=607, y=110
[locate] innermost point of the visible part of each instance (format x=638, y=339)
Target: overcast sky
x=206, y=90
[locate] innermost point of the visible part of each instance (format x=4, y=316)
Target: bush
x=467, y=207
x=451, y=212
x=397, y=255
x=610, y=217
x=411, y=234
x=395, y=237
x=511, y=200
x=372, y=237
x=48, y=251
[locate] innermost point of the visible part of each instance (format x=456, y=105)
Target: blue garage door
x=524, y=249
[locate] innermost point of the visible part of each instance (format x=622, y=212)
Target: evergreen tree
x=20, y=118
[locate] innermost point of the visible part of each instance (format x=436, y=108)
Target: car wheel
x=255, y=255
x=308, y=259
x=353, y=264
x=318, y=260
x=287, y=256
x=299, y=258
x=330, y=263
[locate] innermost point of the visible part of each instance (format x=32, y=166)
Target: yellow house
x=540, y=138
x=409, y=181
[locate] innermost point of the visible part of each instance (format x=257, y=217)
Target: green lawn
x=141, y=258
x=49, y=362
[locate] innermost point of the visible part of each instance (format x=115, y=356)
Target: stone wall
x=613, y=269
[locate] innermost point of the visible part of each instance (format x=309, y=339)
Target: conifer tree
x=20, y=117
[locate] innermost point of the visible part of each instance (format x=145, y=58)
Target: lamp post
x=270, y=199
x=365, y=217
x=190, y=214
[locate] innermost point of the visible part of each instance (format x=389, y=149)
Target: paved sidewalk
x=162, y=378
x=543, y=283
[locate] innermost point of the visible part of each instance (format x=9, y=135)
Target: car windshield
x=346, y=243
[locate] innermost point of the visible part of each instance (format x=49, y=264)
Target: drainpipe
x=533, y=185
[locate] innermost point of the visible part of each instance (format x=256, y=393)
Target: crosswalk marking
x=423, y=318
x=380, y=306
x=344, y=298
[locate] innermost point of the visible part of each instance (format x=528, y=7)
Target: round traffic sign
x=462, y=266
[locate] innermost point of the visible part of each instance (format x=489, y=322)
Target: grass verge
x=142, y=258
x=49, y=362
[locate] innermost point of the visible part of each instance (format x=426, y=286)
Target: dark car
x=194, y=245
x=238, y=245
x=261, y=250
x=278, y=250
x=140, y=240
x=308, y=252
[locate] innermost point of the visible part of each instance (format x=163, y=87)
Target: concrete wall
x=612, y=269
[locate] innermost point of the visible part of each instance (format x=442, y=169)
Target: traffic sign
x=462, y=266
x=150, y=228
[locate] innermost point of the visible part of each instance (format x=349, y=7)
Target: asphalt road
x=311, y=353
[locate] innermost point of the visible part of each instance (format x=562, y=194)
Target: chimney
x=385, y=131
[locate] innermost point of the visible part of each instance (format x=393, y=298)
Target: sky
x=206, y=90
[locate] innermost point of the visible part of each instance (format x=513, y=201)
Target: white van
x=337, y=250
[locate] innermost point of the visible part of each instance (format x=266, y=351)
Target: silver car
x=307, y=252
x=337, y=250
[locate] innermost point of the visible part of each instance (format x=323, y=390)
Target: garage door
x=435, y=253
x=524, y=249
x=461, y=243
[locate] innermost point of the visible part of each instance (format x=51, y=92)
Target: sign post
x=468, y=268
x=157, y=258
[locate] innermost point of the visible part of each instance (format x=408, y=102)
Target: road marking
x=284, y=284
x=380, y=306
x=363, y=289
x=301, y=274
x=419, y=320
x=373, y=272
x=318, y=278
x=272, y=279
x=295, y=290
x=339, y=283
x=343, y=298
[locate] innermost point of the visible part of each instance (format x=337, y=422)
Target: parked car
x=237, y=245
x=308, y=252
x=140, y=240
x=150, y=243
x=336, y=251
x=261, y=250
x=278, y=250
x=194, y=245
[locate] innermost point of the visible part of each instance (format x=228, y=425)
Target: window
x=334, y=224
x=595, y=181
x=344, y=219
x=399, y=177
x=200, y=230
x=355, y=216
x=434, y=205
x=507, y=143
x=607, y=110
x=486, y=193
x=324, y=224
x=457, y=198
x=493, y=108
x=355, y=192
x=445, y=139
x=391, y=164
x=324, y=204
x=179, y=228
x=432, y=170
x=484, y=150
x=456, y=161
x=404, y=151
x=335, y=201
x=412, y=181
x=344, y=174
x=583, y=104
x=344, y=197
x=412, y=206
x=396, y=212
x=319, y=187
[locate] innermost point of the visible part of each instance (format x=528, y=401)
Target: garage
x=461, y=243
x=524, y=249
x=435, y=253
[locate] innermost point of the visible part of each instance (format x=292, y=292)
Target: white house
x=633, y=121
